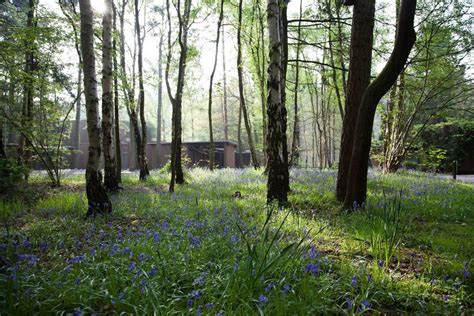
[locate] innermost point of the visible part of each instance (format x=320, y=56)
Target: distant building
x=225, y=155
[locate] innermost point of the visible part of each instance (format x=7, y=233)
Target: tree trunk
x=144, y=172
x=226, y=121
x=76, y=141
x=295, y=145
x=359, y=77
x=245, y=115
x=98, y=200
x=211, y=82
x=177, y=174
x=159, y=111
x=24, y=154
x=110, y=179
x=404, y=41
x=277, y=151
x=117, y=145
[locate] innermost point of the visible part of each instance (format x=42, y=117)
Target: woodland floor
x=201, y=251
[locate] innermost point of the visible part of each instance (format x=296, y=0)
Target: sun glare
x=98, y=6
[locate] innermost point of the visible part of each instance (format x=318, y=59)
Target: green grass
x=200, y=250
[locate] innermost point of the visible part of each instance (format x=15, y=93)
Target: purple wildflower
x=466, y=273
x=270, y=286
x=142, y=257
x=209, y=306
x=286, y=288
x=153, y=271
x=77, y=281
x=354, y=281
x=132, y=266
x=77, y=312
x=365, y=304
x=312, y=268
x=196, y=294
x=189, y=303
x=156, y=237
x=77, y=259
x=349, y=303
x=380, y=263
x=262, y=299
x=43, y=247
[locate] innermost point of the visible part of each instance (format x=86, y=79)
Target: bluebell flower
x=209, y=306
x=313, y=253
x=3, y=247
x=286, y=288
x=219, y=314
x=77, y=259
x=142, y=257
x=153, y=271
x=269, y=287
x=466, y=273
x=132, y=266
x=77, y=281
x=365, y=304
x=93, y=251
x=77, y=312
x=196, y=294
x=199, y=310
x=445, y=297
x=233, y=238
x=195, y=241
x=26, y=243
x=113, y=250
x=156, y=237
x=189, y=303
x=262, y=299
x=349, y=303
x=43, y=247
x=354, y=281
x=312, y=268
x=380, y=263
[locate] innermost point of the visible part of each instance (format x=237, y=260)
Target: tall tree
x=96, y=195
x=117, y=145
x=110, y=169
x=24, y=153
x=159, y=110
x=69, y=10
x=277, y=151
x=243, y=106
x=224, y=88
x=404, y=40
x=144, y=172
x=360, y=63
x=211, y=82
x=177, y=99
x=295, y=144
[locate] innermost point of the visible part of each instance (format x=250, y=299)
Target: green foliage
x=11, y=175
x=388, y=225
x=442, y=143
